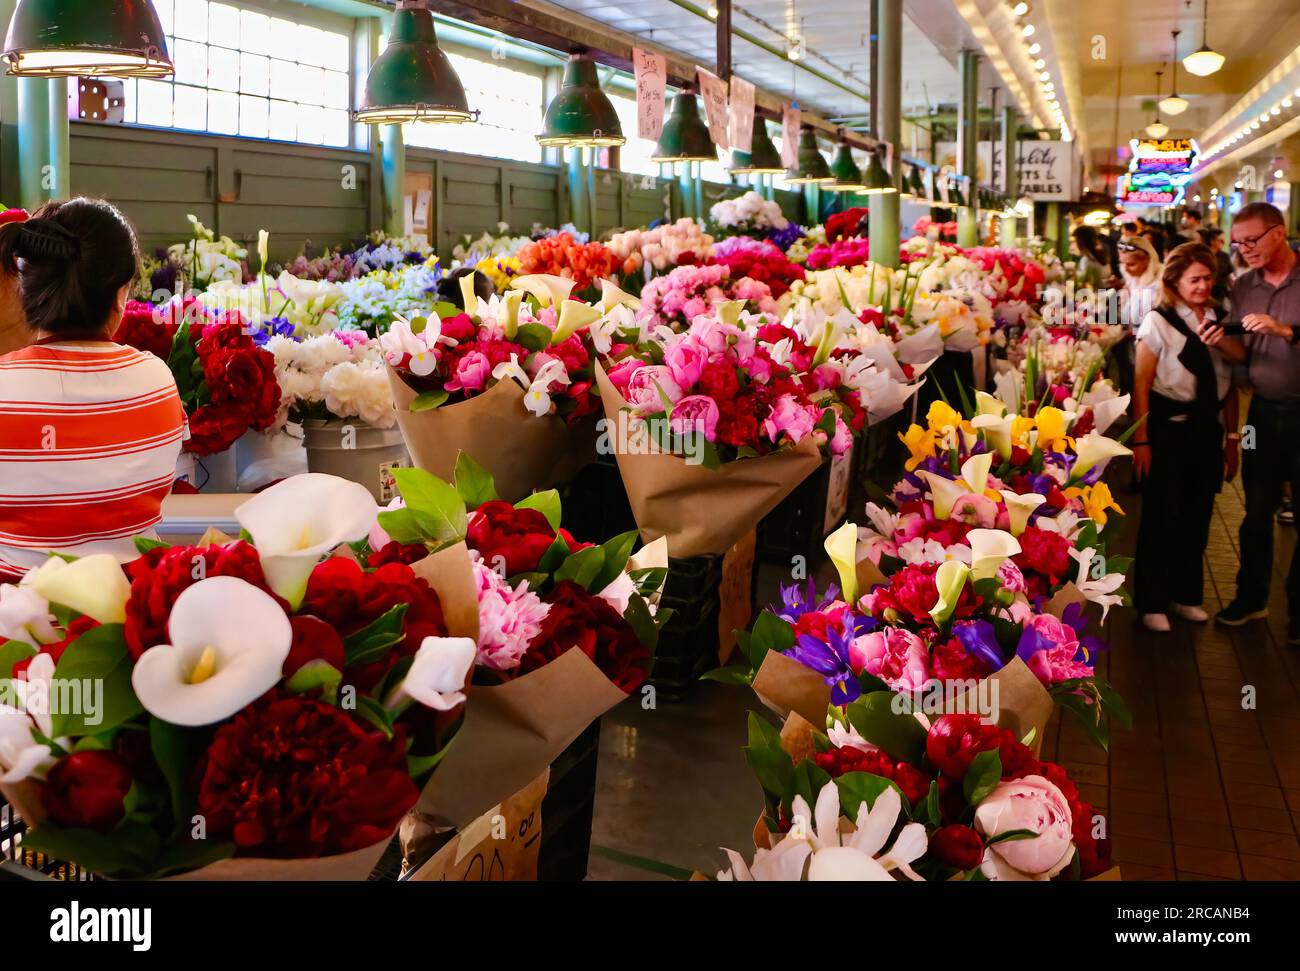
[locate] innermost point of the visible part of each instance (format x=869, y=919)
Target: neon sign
x=1158, y=172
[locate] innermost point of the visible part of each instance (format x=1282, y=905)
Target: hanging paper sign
x=742, y=114
x=790, y=135
x=651, y=71
x=714, y=91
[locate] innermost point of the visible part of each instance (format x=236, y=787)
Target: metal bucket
x=358, y=451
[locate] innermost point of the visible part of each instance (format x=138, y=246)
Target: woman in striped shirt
x=89, y=430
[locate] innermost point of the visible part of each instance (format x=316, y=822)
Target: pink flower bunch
x=508, y=618
x=1015, y=275
x=758, y=260
x=690, y=291
x=842, y=252
x=682, y=243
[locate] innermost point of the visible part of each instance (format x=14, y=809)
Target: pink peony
x=842, y=440
x=1011, y=578
x=621, y=374
x=644, y=387
x=685, y=360
x=1057, y=663
x=894, y=655
x=977, y=510
x=472, y=373
x=790, y=417
x=508, y=619
x=1032, y=803
x=696, y=413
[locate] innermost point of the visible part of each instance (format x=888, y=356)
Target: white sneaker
x=1195, y=614
x=1156, y=622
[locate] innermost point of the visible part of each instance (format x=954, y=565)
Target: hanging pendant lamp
x=879, y=181
x=101, y=38
x=810, y=165
x=685, y=137
x=763, y=158
x=1157, y=128
x=1174, y=105
x=845, y=171
x=581, y=114
x=1204, y=61
x=412, y=80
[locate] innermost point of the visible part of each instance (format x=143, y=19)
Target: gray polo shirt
x=1274, y=362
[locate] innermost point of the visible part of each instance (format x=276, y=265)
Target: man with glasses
x=1266, y=301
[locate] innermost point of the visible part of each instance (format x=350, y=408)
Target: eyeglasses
x=1128, y=247
x=1250, y=242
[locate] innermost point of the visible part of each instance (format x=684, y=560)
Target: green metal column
x=394, y=149
x=968, y=63
x=884, y=218
x=577, y=187
x=60, y=140
x=592, y=207
x=1011, y=168
x=33, y=141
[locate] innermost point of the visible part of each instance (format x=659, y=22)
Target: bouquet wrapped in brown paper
x=238, y=709
x=947, y=637
x=563, y=630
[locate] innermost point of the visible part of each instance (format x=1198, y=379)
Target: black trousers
x=1274, y=459
x=1177, y=506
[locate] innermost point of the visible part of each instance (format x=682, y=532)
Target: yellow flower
x=1096, y=500
x=943, y=416
x=920, y=442
x=1020, y=429
x=1051, y=427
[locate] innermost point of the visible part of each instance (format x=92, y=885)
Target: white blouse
x=1172, y=379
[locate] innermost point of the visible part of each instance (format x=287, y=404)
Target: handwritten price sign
x=651, y=71
x=714, y=90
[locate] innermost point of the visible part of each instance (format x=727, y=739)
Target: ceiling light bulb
x=1264, y=116
x=1020, y=9
x=1027, y=30
x=1157, y=129
x=1039, y=64
x=1278, y=174
x=1286, y=102
x=1203, y=62
x=1275, y=110
x=1035, y=47
x=713, y=11
x=1254, y=125
x=1173, y=105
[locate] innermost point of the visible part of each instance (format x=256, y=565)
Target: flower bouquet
x=746, y=215
x=510, y=385
x=563, y=630
x=685, y=293
x=205, y=259
x=562, y=255
x=656, y=251
x=246, y=709
x=892, y=795
x=758, y=260
x=226, y=381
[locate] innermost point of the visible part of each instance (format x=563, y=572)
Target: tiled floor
x=1206, y=785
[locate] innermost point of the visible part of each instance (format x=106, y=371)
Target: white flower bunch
x=748, y=212
x=311, y=306
x=501, y=243
x=336, y=375
x=207, y=259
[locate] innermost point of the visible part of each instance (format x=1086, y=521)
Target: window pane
x=254, y=32
x=165, y=8
x=284, y=36
x=254, y=74
x=253, y=116
x=191, y=62
x=335, y=51
x=129, y=95
x=284, y=78
x=310, y=124
x=284, y=120
x=335, y=93
x=190, y=108
x=223, y=112
x=223, y=25
x=154, y=103
x=192, y=19
x=335, y=126
x=309, y=46
x=309, y=84
x=223, y=69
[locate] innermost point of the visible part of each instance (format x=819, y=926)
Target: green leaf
x=770, y=633
x=535, y=580
x=177, y=751
x=555, y=554
x=809, y=778
x=982, y=777
x=642, y=623
x=427, y=401
x=617, y=551
x=474, y=483
x=11, y=652
x=421, y=765
x=582, y=567
x=189, y=854
x=859, y=787
x=125, y=851
x=437, y=507
x=372, y=711
x=1011, y=836
x=144, y=544
x=900, y=735
x=649, y=580
x=761, y=733
x=731, y=674
x=533, y=336
x=401, y=525
x=373, y=641
x=315, y=674
x=933, y=814
x=547, y=503
x=97, y=657
x=444, y=309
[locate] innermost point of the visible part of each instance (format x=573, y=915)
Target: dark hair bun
x=45, y=240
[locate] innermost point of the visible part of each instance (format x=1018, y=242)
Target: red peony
x=140, y=330
x=1045, y=553
x=395, y=552
x=86, y=790
x=718, y=380
x=458, y=328
x=159, y=576
x=239, y=374
x=950, y=662
x=313, y=640
x=294, y=778
x=503, y=534
x=954, y=740
x=583, y=620
x=214, y=429
x=957, y=846
x=914, y=784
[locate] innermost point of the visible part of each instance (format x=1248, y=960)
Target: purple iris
x=274, y=327
x=980, y=640
x=1089, y=644
x=783, y=239
x=830, y=659
x=1031, y=642
x=797, y=601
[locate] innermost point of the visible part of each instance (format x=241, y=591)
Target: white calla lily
x=229, y=642
x=546, y=287
x=1019, y=508
x=944, y=492
x=93, y=585
x=300, y=520
x=729, y=311
x=437, y=675
x=1094, y=449
x=950, y=578
x=989, y=549
x=1105, y=412
x=997, y=431
x=574, y=316
x=987, y=404
x=975, y=471
x=612, y=295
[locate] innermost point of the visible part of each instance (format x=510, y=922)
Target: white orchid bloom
x=25, y=616
x=93, y=585
x=438, y=672
x=546, y=287
x=537, y=399
x=229, y=642
x=511, y=369
x=1019, y=508
x=33, y=693
x=618, y=319
x=300, y=520
x=550, y=373
x=1098, y=591
x=21, y=755
x=989, y=549
x=1095, y=449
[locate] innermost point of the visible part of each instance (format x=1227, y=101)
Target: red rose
x=86, y=790
x=293, y=778
x=954, y=740
x=458, y=328
x=159, y=576
x=140, y=330
x=582, y=620
x=957, y=846
x=313, y=640
x=518, y=537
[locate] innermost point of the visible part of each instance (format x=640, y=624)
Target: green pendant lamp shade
x=100, y=38
x=762, y=157
x=685, y=137
x=412, y=80
x=848, y=177
x=581, y=115
x=879, y=182
x=810, y=165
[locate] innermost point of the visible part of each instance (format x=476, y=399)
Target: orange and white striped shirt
x=89, y=436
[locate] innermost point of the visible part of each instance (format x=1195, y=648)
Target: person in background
x=13, y=329
x=1181, y=386
x=1189, y=226
x=1140, y=269
x=1094, y=267
x=1213, y=238
x=89, y=430
x=1157, y=240
x=1266, y=300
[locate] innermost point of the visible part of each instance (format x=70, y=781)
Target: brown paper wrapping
x=512, y=732
x=450, y=573
x=736, y=593
x=523, y=452
x=785, y=686
x=701, y=510
x=476, y=855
